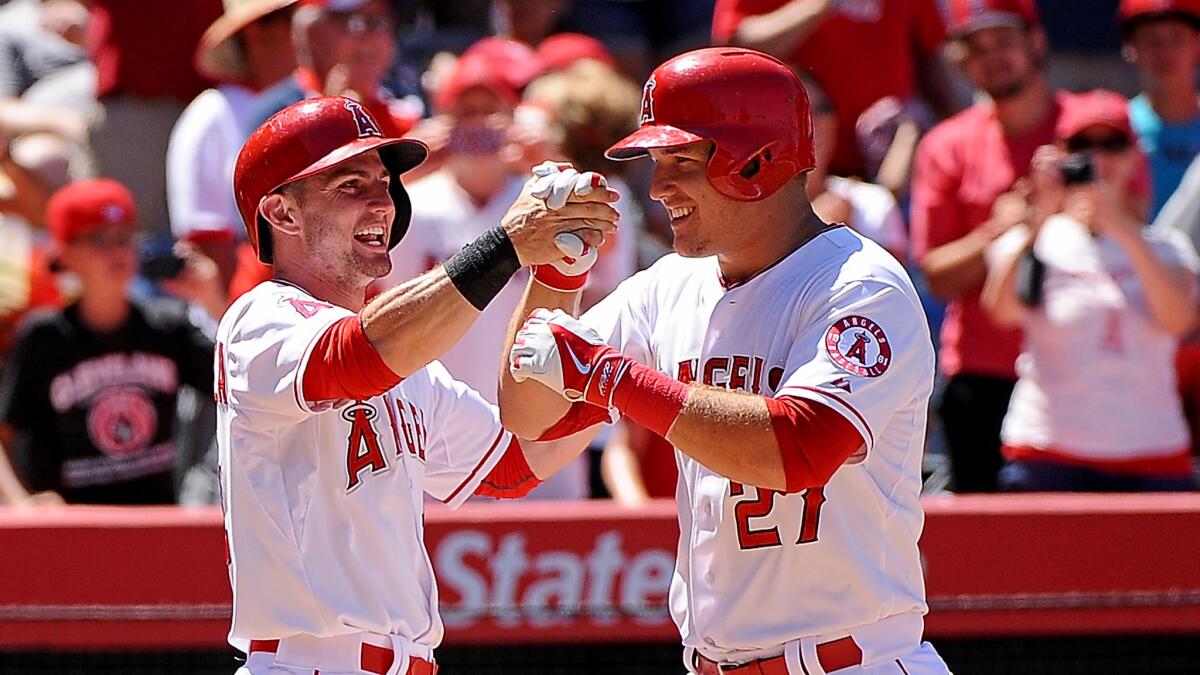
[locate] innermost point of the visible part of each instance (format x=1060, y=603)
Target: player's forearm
x=546, y=458
x=786, y=443
x=781, y=31
x=730, y=433
x=528, y=409
x=414, y=323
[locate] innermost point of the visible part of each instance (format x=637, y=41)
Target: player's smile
x=679, y=213
x=372, y=236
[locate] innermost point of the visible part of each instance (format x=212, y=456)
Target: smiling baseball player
x=787, y=360
x=332, y=422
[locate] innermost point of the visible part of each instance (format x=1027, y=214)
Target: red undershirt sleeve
x=344, y=365
x=814, y=440
x=511, y=477
x=579, y=417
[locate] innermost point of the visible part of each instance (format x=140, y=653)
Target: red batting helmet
x=750, y=105
x=305, y=139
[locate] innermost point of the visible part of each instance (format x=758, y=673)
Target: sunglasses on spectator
x=111, y=238
x=361, y=24
x=1111, y=144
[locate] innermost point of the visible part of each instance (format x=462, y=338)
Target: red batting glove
x=564, y=354
x=557, y=350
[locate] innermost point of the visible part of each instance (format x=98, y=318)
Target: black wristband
x=482, y=268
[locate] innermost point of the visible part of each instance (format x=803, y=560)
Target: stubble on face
x=1006, y=61
x=692, y=245
x=330, y=247
x=681, y=182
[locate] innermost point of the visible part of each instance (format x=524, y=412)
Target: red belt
x=374, y=659
x=834, y=655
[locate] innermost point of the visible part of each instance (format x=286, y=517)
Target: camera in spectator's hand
x=1076, y=169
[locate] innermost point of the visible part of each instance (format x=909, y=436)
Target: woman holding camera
x=1104, y=302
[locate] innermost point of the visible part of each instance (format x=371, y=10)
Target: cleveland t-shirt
x=95, y=412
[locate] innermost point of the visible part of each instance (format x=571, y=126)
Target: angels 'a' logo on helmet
x=366, y=125
x=647, y=102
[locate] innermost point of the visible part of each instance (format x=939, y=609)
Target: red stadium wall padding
x=539, y=572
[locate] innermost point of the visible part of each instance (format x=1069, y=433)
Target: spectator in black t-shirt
x=88, y=394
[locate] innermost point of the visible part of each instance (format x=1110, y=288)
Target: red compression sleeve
x=550, y=277
x=650, y=398
x=511, y=478
x=579, y=417
x=344, y=365
x=814, y=440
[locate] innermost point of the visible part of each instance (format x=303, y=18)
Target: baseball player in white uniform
x=333, y=422
x=789, y=363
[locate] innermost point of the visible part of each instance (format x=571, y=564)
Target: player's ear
x=282, y=212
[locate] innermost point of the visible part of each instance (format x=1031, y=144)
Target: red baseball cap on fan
x=1133, y=10
x=475, y=71
x=1096, y=107
x=558, y=52
x=515, y=61
x=501, y=66
x=85, y=206
x=968, y=16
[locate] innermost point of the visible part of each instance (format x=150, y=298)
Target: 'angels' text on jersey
x=837, y=322
x=323, y=500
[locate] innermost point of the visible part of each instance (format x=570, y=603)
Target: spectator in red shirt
x=862, y=51
x=143, y=53
x=964, y=196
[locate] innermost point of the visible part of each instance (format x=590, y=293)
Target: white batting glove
x=562, y=353
x=555, y=185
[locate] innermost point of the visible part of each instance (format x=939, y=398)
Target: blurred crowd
x=1032, y=163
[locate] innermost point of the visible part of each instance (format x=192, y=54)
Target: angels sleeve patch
x=858, y=346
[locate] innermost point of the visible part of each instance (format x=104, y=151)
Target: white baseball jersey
x=837, y=322
x=1096, y=374
x=323, y=502
x=445, y=219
